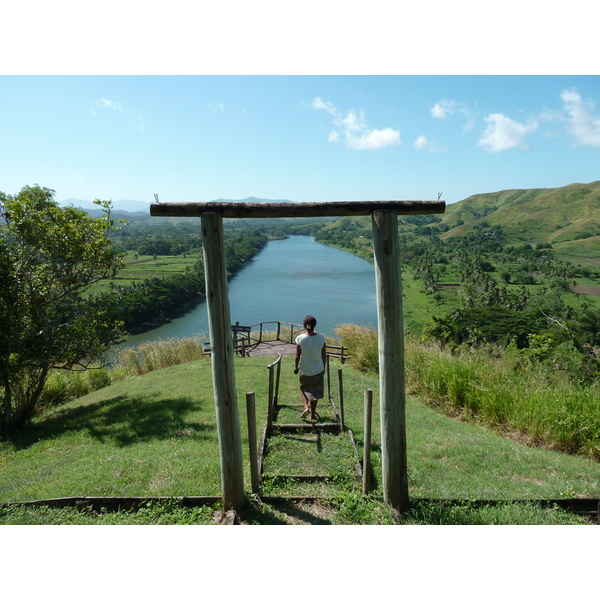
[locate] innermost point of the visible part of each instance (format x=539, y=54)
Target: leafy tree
x=49, y=256
x=479, y=324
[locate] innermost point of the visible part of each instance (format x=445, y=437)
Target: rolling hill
x=543, y=215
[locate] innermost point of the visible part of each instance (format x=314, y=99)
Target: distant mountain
x=131, y=206
x=85, y=204
x=251, y=199
x=138, y=206
x=549, y=215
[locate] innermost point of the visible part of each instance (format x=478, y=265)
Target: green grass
x=314, y=453
x=510, y=396
x=419, y=307
x=538, y=402
x=156, y=435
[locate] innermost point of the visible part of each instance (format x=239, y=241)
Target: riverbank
x=287, y=280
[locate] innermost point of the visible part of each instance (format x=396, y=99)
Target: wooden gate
x=390, y=325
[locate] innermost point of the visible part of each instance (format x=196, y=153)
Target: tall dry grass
x=362, y=345
x=542, y=406
x=159, y=354
x=62, y=386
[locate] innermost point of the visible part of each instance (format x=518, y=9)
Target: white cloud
x=581, y=122
x=104, y=103
x=502, y=133
x=135, y=120
x=375, y=139
x=354, y=130
x=442, y=109
x=422, y=143
x=320, y=105
x=446, y=108
x=334, y=136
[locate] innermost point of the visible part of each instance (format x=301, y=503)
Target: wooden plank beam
x=391, y=359
x=221, y=343
x=257, y=210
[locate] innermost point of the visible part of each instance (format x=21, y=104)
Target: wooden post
x=341, y=397
x=277, y=379
x=367, y=444
x=328, y=377
x=251, y=413
x=219, y=321
x=391, y=358
x=272, y=383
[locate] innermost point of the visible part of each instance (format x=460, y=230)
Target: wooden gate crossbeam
x=390, y=326
x=263, y=210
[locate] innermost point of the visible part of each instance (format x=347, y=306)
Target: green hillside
x=155, y=435
x=535, y=252
x=549, y=215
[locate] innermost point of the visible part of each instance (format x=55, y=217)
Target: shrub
x=362, y=344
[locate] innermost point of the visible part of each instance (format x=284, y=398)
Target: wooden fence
x=246, y=337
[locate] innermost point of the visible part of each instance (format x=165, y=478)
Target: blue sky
x=300, y=138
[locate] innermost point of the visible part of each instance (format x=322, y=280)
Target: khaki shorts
x=312, y=386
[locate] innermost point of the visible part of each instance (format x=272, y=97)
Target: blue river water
x=286, y=281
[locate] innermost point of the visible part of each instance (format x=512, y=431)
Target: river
x=286, y=281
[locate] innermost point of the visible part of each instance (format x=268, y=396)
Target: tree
x=49, y=257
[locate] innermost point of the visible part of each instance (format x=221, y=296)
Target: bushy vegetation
x=49, y=258
x=542, y=395
x=62, y=386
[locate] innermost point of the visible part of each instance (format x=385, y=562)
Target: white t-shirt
x=311, y=360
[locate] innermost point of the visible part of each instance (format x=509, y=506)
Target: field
x=140, y=267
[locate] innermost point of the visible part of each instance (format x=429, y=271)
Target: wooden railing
x=274, y=377
x=245, y=336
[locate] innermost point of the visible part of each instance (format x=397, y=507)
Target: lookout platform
x=270, y=348
x=272, y=338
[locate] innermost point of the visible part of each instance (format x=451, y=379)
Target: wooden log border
x=589, y=507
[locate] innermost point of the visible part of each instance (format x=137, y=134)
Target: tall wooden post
x=219, y=322
x=391, y=358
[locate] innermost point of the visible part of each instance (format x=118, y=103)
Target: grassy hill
x=550, y=215
x=155, y=435
x=567, y=217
